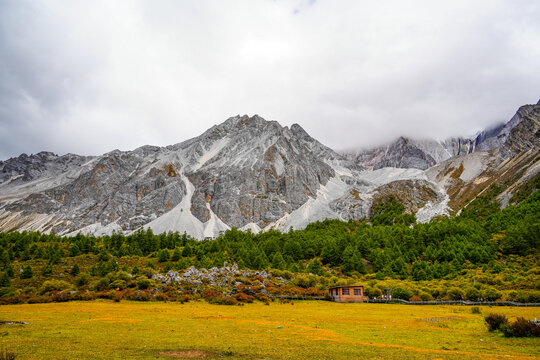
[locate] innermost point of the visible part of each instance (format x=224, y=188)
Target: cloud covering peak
x=88, y=77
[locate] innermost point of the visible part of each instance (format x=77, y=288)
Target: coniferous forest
x=482, y=253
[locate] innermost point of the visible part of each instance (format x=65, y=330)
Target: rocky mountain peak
x=299, y=131
x=423, y=153
x=246, y=172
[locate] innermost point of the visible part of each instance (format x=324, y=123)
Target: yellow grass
x=305, y=330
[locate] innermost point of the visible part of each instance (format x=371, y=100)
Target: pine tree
x=25, y=255
x=27, y=273
x=163, y=255
x=75, y=270
x=74, y=251
x=5, y=260
x=176, y=255
x=277, y=261
x=315, y=267
x=47, y=270
x=5, y=280
x=186, y=251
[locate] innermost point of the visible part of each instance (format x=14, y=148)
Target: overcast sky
x=88, y=77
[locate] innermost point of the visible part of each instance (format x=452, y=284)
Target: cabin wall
x=341, y=297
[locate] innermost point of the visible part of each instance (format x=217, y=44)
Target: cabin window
x=357, y=292
x=345, y=292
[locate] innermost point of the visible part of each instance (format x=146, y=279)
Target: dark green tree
x=27, y=273
x=176, y=255
x=315, y=267
x=163, y=255
x=75, y=270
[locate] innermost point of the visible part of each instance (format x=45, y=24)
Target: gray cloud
x=88, y=77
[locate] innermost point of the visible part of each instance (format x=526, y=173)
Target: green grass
x=305, y=330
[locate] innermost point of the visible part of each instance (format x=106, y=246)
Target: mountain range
x=249, y=173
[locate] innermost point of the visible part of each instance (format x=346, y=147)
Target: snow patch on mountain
x=98, y=229
x=210, y=153
x=214, y=225
x=180, y=217
x=254, y=228
x=389, y=174
x=431, y=210
x=315, y=209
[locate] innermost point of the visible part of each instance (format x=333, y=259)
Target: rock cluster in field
x=221, y=277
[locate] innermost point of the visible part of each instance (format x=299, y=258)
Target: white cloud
x=88, y=77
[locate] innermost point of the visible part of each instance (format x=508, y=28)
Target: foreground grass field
x=304, y=330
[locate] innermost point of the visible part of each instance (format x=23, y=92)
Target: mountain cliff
x=254, y=174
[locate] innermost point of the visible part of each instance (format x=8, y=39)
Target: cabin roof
x=345, y=286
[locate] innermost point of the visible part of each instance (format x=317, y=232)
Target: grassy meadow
x=104, y=329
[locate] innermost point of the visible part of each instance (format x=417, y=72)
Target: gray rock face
x=246, y=173
x=496, y=137
x=27, y=168
x=410, y=153
x=353, y=205
x=524, y=135
x=245, y=170
x=413, y=194
x=263, y=172
x=110, y=190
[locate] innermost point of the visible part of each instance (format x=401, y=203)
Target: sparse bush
x=305, y=281
x=415, y=298
x=82, y=279
x=494, y=321
x=138, y=295
x=401, y=293
x=75, y=270
x=118, y=284
x=455, y=293
x=39, y=300
x=148, y=272
x=282, y=273
x=108, y=294
x=262, y=297
x=54, y=285
x=27, y=273
x=533, y=297
x=143, y=283
x=122, y=275
x=210, y=294
x=424, y=296
x=162, y=297
x=475, y=310
x=183, y=298
x=47, y=270
x=473, y=294
x=101, y=284
x=244, y=298
x=491, y=294
x=313, y=291
x=521, y=328
x=225, y=300
x=373, y=292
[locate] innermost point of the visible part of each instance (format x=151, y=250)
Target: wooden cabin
x=348, y=293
